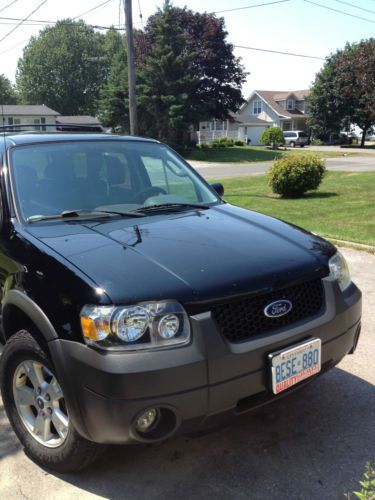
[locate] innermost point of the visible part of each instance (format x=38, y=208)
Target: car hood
x=190, y=256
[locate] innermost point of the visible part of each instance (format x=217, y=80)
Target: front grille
x=245, y=318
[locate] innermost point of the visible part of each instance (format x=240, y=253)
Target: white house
x=264, y=108
x=34, y=115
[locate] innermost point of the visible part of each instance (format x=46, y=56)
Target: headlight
x=339, y=270
x=141, y=326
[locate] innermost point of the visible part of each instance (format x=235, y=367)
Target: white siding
x=266, y=114
x=29, y=120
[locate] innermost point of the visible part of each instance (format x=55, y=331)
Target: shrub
x=316, y=142
x=223, y=142
x=239, y=143
x=203, y=145
x=273, y=136
x=292, y=176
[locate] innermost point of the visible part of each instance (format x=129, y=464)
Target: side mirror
x=218, y=187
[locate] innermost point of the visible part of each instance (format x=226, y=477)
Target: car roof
x=24, y=138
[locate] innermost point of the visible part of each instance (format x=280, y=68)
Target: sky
x=296, y=26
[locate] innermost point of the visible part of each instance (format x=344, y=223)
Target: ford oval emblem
x=278, y=308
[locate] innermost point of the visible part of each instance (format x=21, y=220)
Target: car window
x=168, y=175
x=302, y=134
x=120, y=175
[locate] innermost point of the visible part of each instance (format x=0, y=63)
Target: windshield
x=103, y=176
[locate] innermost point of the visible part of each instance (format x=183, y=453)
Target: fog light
x=168, y=326
x=147, y=420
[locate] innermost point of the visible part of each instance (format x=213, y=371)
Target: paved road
x=311, y=445
x=221, y=170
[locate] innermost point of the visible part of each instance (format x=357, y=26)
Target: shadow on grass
x=324, y=194
x=312, y=444
x=232, y=155
x=246, y=194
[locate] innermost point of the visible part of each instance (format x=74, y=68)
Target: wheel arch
x=20, y=311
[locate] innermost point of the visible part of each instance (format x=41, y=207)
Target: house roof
x=78, y=120
x=271, y=96
x=250, y=120
x=27, y=110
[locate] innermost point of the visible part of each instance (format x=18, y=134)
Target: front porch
x=294, y=124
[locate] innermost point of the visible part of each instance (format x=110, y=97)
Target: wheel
x=302, y=145
x=34, y=402
x=292, y=144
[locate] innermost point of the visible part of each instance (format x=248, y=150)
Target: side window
x=167, y=175
x=257, y=107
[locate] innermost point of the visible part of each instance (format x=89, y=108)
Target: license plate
x=295, y=364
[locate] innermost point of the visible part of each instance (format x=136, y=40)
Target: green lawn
x=250, y=154
x=343, y=207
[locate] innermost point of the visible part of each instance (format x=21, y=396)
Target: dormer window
x=257, y=107
x=290, y=105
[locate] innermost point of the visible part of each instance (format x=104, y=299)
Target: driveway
x=311, y=445
x=221, y=170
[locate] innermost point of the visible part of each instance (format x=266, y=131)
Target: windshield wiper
x=82, y=213
x=162, y=206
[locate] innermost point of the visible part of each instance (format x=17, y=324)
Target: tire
x=33, y=413
x=292, y=144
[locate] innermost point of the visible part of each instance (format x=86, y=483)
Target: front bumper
x=196, y=384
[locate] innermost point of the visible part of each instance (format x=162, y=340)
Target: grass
x=250, y=154
x=342, y=208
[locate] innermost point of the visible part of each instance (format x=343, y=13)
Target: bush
x=239, y=143
x=316, y=142
x=223, y=142
x=203, y=145
x=292, y=176
x=273, y=136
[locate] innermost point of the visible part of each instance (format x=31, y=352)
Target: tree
x=114, y=104
x=273, y=136
x=344, y=90
x=64, y=68
x=219, y=73
x=7, y=92
x=166, y=81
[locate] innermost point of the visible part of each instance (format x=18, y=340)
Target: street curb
x=351, y=244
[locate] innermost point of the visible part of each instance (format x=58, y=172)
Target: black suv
x=137, y=304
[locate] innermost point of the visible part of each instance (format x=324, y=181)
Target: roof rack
x=22, y=128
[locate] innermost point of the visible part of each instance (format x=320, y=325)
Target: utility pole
x=131, y=68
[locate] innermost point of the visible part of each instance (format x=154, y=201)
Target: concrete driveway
x=221, y=170
x=311, y=445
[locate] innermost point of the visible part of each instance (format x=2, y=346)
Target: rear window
x=302, y=134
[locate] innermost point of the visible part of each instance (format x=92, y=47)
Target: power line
x=250, y=6
x=92, y=9
x=340, y=11
x=356, y=6
x=279, y=52
x=9, y=4
x=23, y=20
x=40, y=22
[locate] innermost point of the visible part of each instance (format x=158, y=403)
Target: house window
x=257, y=107
x=10, y=120
x=36, y=123
x=43, y=122
x=290, y=104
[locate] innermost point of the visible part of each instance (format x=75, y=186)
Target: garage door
x=254, y=133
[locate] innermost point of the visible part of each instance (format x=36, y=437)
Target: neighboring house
x=70, y=123
x=34, y=116
x=264, y=108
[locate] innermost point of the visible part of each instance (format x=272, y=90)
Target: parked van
x=295, y=138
